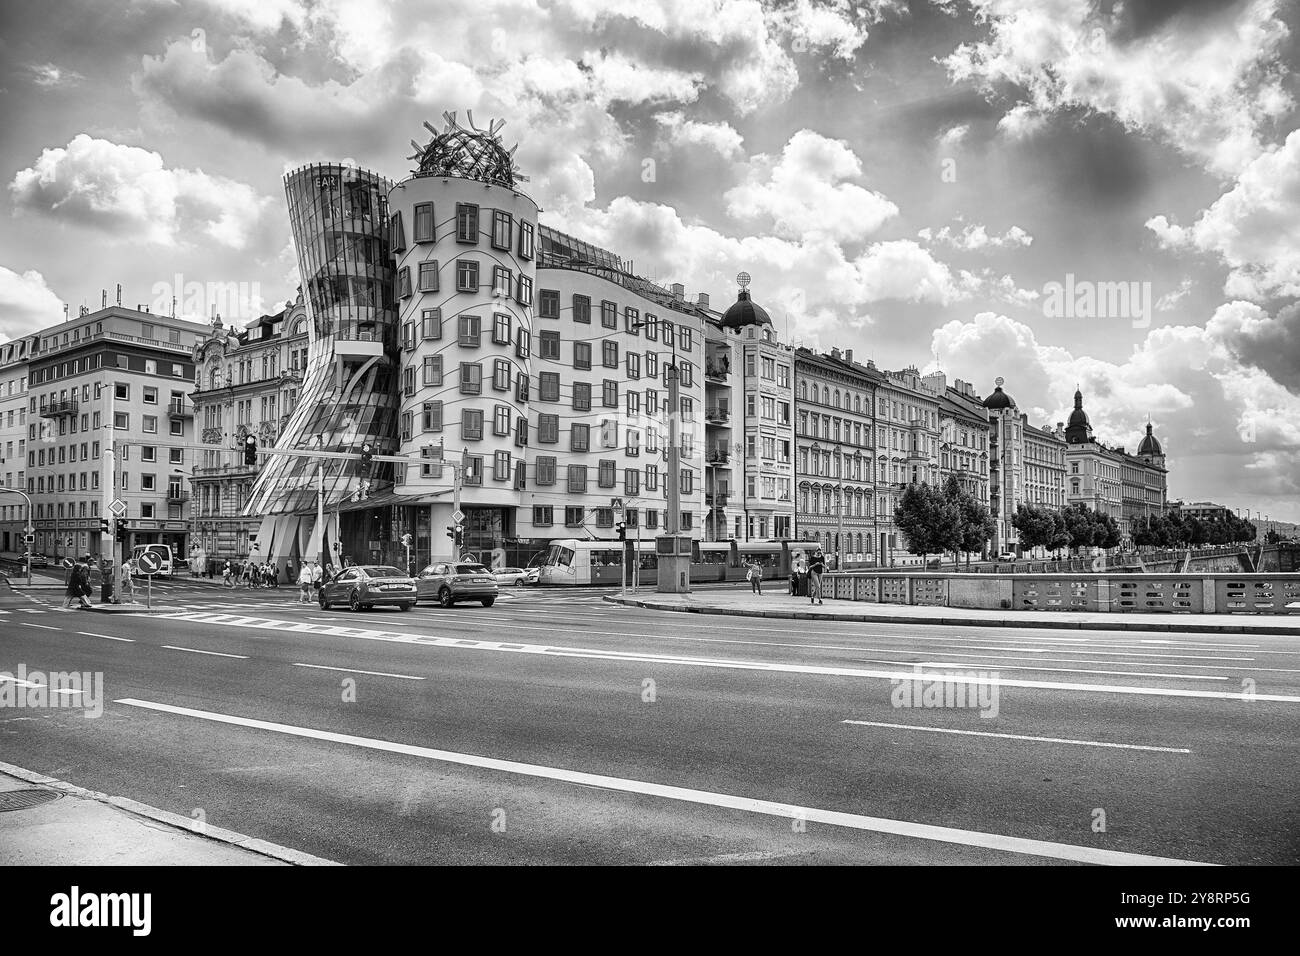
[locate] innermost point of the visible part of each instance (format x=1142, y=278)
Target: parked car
x=517, y=577
x=1006, y=556
x=448, y=582
x=364, y=586
x=38, y=560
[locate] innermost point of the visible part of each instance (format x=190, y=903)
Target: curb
x=283, y=854
x=1121, y=625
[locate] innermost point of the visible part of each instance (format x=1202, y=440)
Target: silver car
x=362, y=587
x=448, y=582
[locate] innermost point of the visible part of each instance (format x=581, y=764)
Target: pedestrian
x=798, y=568
x=83, y=581
x=74, y=587
x=816, y=568
x=755, y=577
x=126, y=587
x=227, y=576
x=304, y=585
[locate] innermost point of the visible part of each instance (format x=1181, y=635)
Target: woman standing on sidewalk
x=816, y=567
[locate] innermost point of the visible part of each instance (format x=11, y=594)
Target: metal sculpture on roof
x=468, y=153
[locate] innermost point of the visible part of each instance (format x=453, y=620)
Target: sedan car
x=448, y=582
x=362, y=587
x=38, y=560
x=516, y=576
x=1007, y=556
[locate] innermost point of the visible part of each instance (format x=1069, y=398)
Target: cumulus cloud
x=1254, y=228
x=129, y=193
x=1267, y=342
x=1211, y=410
x=803, y=191
x=47, y=76
x=953, y=136
x=1205, y=81
x=975, y=238
x=26, y=303
x=721, y=138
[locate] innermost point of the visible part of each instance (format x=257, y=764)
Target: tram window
x=562, y=557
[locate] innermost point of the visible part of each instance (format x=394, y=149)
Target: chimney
x=704, y=300
x=679, y=291
x=835, y=354
x=848, y=356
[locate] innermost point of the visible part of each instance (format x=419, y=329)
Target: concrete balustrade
x=1195, y=593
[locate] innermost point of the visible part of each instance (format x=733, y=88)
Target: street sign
x=435, y=452
x=457, y=516
x=118, y=507
x=29, y=539
x=150, y=562
x=616, y=504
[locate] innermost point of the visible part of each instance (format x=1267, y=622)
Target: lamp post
x=839, y=509
x=28, y=531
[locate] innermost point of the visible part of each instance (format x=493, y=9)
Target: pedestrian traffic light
x=250, y=450
x=103, y=526
x=367, y=459
x=622, y=531
x=406, y=540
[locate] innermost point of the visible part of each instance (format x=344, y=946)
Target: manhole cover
x=24, y=799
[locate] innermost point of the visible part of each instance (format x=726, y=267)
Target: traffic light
x=123, y=529
x=457, y=534
x=622, y=531
x=367, y=459
x=406, y=540
x=250, y=450
x=103, y=526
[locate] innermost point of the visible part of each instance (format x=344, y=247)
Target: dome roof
x=999, y=399
x=1078, y=418
x=1150, y=444
x=468, y=153
x=745, y=312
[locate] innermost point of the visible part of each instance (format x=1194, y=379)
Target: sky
x=1061, y=193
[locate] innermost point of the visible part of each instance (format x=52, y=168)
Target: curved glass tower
x=339, y=218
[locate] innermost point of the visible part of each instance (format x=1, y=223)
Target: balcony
x=59, y=409
x=717, y=414
x=717, y=369
x=717, y=456
x=177, y=496
x=715, y=499
x=179, y=409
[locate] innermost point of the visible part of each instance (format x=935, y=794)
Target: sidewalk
x=81, y=828
x=779, y=604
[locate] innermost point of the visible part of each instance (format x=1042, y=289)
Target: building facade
x=13, y=442
x=964, y=436
x=1045, y=466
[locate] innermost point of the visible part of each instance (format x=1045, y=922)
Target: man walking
x=227, y=578
x=126, y=586
x=304, y=584
x=816, y=567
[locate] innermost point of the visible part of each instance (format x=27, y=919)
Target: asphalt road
x=555, y=728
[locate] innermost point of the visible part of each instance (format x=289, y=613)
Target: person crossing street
x=304, y=584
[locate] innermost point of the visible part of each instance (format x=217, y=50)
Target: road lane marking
x=1061, y=670
x=923, y=831
x=1048, y=740
x=107, y=637
x=353, y=670
x=768, y=666
x=43, y=627
x=195, y=650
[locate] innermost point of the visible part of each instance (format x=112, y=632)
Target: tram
x=577, y=562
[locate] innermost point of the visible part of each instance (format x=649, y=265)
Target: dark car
x=362, y=587
x=449, y=582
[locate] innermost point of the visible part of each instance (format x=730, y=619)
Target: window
x=526, y=239
x=500, y=328
x=633, y=364
x=667, y=328
x=652, y=364
x=121, y=391
x=684, y=340
x=582, y=309
x=466, y=222
x=577, y=485
x=473, y=469
x=524, y=291
x=687, y=482
x=424, y=222
x=147, y=482
x=521, y=386
x=430, y=469
x=604, y=517
x=548, y=304
x=549, y=345
x=403, y=290
x=175, y=456
x=521, y=431
x=633, y=447
x=502, y=282
x=545, y=470
x=121, y=420
x=471, y=378
x=431, y=324
x=582, y=355
x=433, y=416
x=408, y=383
x=579, y=436
x=406, y=426
x=687, y=374
x=651, y=481
x=609, y=314
x=502, y=229
x=501, y=375
x=631, y=485
x=548, y=386
x=632, y=320
x=573, y=515
x=609, y=354
x=609, y=389
x=608, y=433
x=470, y=332
x=501, y=420
x=471, y=424
x=150, y=395
x=582, y=396
x=543, y=515
x=429, y=276
x=523, y=343
x=501, y=466
x=466, y=276
x=633, y=402
x=432, y=371
x=408, y=340
x=651, y=326
x=548, y=429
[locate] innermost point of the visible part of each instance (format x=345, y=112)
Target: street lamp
x=28, y=531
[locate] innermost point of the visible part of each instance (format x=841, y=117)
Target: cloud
x=1207, y=79
x=975, y=238
x=721, y=138
x=1211, y=409
x=26, y=303
x=953, y=136
x=803, y=191
x=1254, y=228
x=130, y=194
x=48, y=76
x=1255, y=338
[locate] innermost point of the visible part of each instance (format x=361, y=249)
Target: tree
x=1105, y=533
x=1035, y=526
x=1060, y=533
x=976, y=524
x=931, y=523
x=1080, y=526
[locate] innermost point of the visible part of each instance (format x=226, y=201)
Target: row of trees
x=1074, y=526
x=1172, y=530
x=938, y=520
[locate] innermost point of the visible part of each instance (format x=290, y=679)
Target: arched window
x=857, y=407
x=826, y=395
x=803, y=389
x=837, y=398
